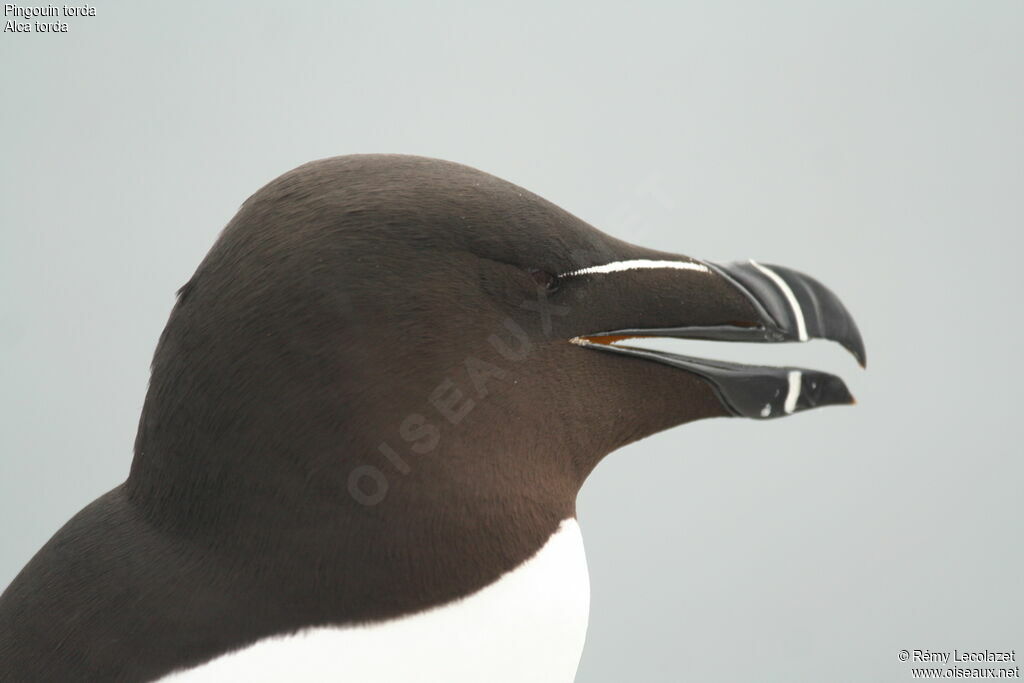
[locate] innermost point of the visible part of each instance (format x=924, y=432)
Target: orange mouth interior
x=612, y=338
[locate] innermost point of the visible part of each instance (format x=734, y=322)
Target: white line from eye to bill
x=637, y=264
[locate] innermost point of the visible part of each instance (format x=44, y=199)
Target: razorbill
x=367, y=421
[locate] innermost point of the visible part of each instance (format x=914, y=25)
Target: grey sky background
x=878, y=146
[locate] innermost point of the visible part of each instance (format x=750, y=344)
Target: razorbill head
x=368, y=419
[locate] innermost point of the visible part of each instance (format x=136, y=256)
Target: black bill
x=757, y=391
x=788, y=306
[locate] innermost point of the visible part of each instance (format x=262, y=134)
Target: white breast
x=529, y=625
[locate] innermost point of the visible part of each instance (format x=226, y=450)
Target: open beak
x=774, y=304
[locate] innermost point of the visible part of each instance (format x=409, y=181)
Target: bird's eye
x=544, y=279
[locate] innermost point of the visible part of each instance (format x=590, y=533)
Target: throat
x=529, y=624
